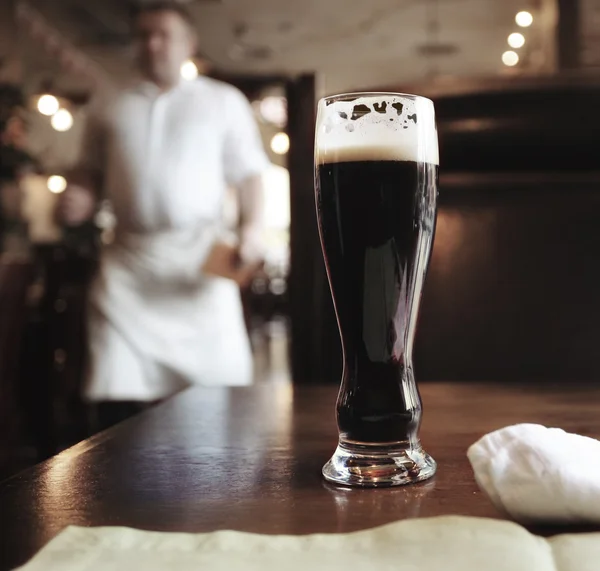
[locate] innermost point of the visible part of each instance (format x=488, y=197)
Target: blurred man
x=163, y=152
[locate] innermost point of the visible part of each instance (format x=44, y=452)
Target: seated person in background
x=165, y=309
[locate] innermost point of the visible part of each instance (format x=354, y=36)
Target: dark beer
x=376, y=158
x=376, y=220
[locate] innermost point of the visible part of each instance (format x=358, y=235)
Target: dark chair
x=15, y=279
x=55, y=366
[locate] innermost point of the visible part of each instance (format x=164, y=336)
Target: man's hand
x=252, y=223
x=252, y=245
x=76, y=205
x=223, y=261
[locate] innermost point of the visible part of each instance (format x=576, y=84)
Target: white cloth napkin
x=540, y=474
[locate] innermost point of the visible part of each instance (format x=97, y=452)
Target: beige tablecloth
x=448, y=543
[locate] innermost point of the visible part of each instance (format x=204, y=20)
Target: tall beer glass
x=376, y=170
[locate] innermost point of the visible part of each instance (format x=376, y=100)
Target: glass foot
x=373, y=466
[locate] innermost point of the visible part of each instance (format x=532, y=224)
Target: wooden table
x=250, y=459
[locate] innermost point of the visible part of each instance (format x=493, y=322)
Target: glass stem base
x=378, y=465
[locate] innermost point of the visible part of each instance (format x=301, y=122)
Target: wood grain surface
x=250, y=458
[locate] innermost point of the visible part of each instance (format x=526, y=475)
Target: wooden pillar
x=315, y=346
x=568, y=35
x=10, y=56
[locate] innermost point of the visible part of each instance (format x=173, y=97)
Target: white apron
x=156, y=326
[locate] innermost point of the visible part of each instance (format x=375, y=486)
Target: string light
x=62, y=120
x=57, y=184
x=189, y=70
x=280, y=143
x=516, y=40
x=510, y=58
x=524, y=19
x=48, y=104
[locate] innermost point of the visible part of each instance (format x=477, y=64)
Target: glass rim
x=348, y=96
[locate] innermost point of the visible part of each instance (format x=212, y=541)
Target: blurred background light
x=189, y=70
x=47, y=104
x=280, y=143
x=524, y=19
x=510, y=58
x=516, y=40
x=62, y=120
x=57, y=184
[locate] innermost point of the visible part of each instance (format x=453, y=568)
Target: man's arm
x=241, y=263
x=245, y=162
x=252, y=219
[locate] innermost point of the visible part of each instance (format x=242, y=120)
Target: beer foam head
x=378, y=126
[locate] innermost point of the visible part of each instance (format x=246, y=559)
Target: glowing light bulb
x=280, y=143
x=47, y=104
x=189, y=70
x=510, y=58
x=524, y=19
x=62, y=120
x=516, y=40
x=57, y=184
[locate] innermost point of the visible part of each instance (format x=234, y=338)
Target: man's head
x=164, y=38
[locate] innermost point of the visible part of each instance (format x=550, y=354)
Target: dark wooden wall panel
x=512, y=291
x=513, y=288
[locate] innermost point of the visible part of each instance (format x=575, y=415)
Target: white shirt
x=167, y=157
